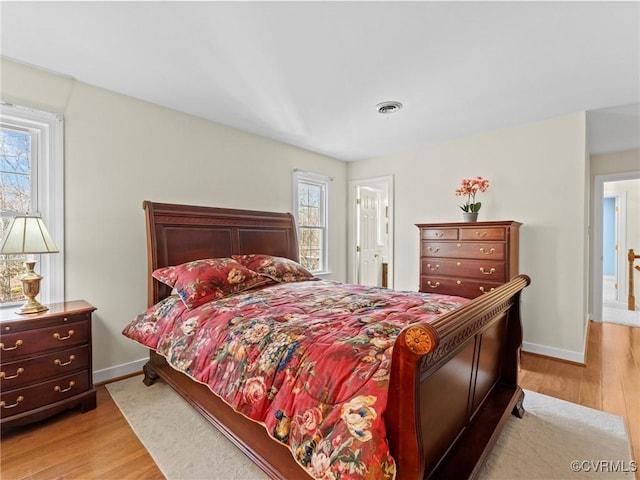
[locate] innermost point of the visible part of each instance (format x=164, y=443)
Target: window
x=31, y=164
x=311, y=194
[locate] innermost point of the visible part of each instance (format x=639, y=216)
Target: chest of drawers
x=45, y=363
x=467, y=259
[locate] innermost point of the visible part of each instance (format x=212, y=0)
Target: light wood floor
x=100, y=445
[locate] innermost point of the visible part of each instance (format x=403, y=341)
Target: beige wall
x=538, y=176
x=120, y=151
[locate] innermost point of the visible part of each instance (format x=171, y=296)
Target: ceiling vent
x=385, y=108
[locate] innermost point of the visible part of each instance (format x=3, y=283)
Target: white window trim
x=49, y=189
x=298, y=176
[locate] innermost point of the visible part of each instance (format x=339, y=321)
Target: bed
x=451, y=384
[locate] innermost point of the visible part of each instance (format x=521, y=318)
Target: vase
x=470, y=216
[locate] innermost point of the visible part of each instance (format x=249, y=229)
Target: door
x=609, y=249
x=369, y=265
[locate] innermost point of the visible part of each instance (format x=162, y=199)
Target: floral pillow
x=280, y=269
x=201, y=281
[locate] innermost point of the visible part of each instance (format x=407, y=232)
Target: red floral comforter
x=308, y=360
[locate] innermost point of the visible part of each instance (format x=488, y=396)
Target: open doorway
x=616, y=230
x=371, y=231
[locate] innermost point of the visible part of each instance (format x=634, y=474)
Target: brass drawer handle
x=433, y=285
x=484, y=291
x=58, y=337
x=490, y=272
x=493, y=250
x=433, y=269
x=439, y=234
x=57, y=361
x=57, y=388
x=6, y=349
x=18, y=372
x=433, y=250
x=481, y=234
x=18, y=400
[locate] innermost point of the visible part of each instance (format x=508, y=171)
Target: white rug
x=616, y=310
x=553, y=436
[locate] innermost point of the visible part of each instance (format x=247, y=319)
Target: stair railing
x=632, y=299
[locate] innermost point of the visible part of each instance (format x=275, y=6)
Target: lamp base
x=31, y=306
x=31, y=288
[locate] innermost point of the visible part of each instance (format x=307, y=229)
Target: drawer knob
x=18, y=372
x=57, y=361
x=433, y=285
x=490, y=272
x=18, y=400
x=459, y=282
x=433, y=250
x=57, y=336
x=492, y=250
x=432, y=268
x=6, y=349
x=58, y=388
x=481, y=234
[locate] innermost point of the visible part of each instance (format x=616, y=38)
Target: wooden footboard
x=453, y=384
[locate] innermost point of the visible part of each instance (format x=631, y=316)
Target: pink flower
x=310, y=420
x=468, y=188
x=254, y=390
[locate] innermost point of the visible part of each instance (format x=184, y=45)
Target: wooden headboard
x=182, y=233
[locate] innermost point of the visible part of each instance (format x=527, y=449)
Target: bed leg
x=518, y=408
x=150, y=375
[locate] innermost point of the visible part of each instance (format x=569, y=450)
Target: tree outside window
x=15, y=198
x=311, y=211
x=31, y=182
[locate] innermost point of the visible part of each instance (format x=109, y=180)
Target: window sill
x=323, y=275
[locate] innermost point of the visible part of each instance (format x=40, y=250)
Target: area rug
x=554, y=440
x=617, y=312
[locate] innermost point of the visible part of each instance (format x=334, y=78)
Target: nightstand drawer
x=20, y=400
x=29, y=370
x=18, y=344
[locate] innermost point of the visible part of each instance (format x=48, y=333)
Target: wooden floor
x=100, y=445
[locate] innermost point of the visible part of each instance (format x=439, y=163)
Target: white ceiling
x=311, y=73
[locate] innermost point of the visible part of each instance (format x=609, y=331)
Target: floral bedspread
x=308, y=360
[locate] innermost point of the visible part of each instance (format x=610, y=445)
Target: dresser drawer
x=489, y=233
x=21, y=400
x=439, y=234
x=455, y=286
x=477, y=250
x=480, y=269
x=18, y=344
x=29, y=370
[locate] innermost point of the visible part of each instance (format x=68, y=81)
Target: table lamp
x=28, y=235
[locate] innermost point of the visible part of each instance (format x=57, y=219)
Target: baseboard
x=102, y=376
x=574, y=357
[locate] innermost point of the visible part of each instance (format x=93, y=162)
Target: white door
x=369, y=258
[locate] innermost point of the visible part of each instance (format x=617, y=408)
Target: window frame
x=324, y=182
x=47, y=188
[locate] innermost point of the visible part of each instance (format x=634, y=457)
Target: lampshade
x=27, y=235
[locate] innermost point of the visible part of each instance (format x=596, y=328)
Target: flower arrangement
x=468, y=188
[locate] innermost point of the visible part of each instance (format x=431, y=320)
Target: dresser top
x=496, y=223
x=9, y=314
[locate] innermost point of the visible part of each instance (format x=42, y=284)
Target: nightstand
x=45, y=363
